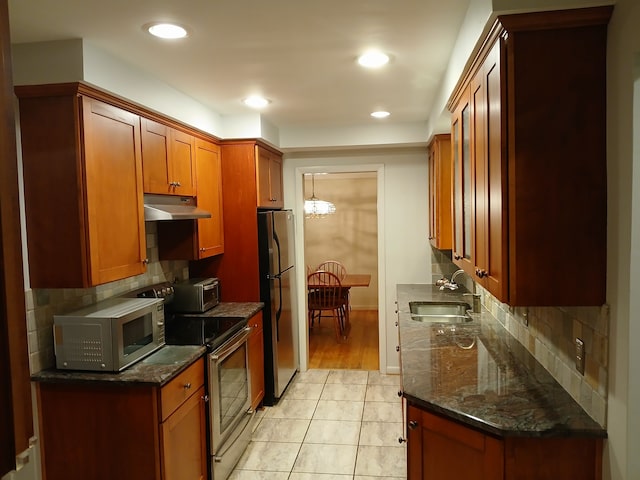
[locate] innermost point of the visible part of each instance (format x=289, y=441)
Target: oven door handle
x=232, y=344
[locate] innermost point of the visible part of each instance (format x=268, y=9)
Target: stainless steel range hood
x=171, y=207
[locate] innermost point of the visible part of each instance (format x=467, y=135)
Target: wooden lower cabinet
x=103, y=432
x=256, y=360
x=441, y=449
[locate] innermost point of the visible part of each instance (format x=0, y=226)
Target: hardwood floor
x=360, y=352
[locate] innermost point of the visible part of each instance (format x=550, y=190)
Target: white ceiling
x=298, y=53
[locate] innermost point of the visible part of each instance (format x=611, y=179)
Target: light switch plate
x=580, y=355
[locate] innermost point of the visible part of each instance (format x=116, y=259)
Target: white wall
x=403, y=247
x=623, y=283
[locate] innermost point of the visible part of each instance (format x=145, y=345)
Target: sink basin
x=440, y=312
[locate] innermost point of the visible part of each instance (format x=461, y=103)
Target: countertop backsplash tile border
x=549, y=334
x=42, y=304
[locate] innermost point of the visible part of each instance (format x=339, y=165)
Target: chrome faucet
x=451, y=284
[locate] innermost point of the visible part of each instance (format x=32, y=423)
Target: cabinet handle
x=413, y=424
x=187, y=386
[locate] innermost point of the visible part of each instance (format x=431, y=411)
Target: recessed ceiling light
x=256, y=101
x=167, y=30
x=380, y=114
x=373, y=59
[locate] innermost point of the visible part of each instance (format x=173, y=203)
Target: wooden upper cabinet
x=536, y=204
x=462, y=181
x=209, y=174
x=83, y=187
x=168, y=159
x=440, y=215
x=269, y=178
x=204, y=237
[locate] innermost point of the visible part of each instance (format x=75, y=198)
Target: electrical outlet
x=580, y=355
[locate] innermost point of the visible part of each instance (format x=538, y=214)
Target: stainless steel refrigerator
x=277, y=271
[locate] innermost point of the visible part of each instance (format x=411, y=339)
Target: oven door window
x=234, y=388
x=137, y=333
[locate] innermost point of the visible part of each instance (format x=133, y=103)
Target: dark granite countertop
x=230, y=309
x=157, y=369
x=161, y=366
x=478, y=374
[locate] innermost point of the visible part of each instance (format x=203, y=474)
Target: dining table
x=349, y=281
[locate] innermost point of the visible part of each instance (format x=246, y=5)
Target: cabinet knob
x=187, y=386
x=413, y=424
x=401, y=440
x=145, y=261
x=398, y=348
x=205, y=398
x=178, y=184
x=400, y=393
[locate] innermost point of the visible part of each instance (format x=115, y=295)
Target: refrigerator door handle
x=279, y=311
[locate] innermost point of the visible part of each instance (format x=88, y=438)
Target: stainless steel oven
x=231, y=416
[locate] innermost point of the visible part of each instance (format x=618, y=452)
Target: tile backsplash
x=42, y=304
x=549, y=334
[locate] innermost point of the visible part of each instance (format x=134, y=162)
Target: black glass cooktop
x=183, y=329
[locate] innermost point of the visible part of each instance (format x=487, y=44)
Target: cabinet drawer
x=174, y=393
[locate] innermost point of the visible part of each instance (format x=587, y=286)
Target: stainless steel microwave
x=110, y=335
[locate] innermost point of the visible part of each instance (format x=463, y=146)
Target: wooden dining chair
x=326, y=296
x=338, y=269
x=335, y=267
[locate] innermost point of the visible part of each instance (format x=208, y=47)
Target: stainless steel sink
x=440, y=312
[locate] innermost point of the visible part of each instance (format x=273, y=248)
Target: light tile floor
x=329, y=425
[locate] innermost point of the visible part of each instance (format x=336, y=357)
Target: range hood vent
x=171, y=207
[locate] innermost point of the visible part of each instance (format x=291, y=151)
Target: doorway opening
x=348, y=235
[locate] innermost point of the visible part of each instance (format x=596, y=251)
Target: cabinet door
x=275, y=180
x=462, y=185
x=184, y=441
x=155, y=157
x=181, y=163
x=113, y=172
x=269, y=178
x=209, y=186
x=490, y=233
x=256, y=360
x=450, y=451
x=440, y=192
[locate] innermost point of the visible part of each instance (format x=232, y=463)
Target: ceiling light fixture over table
x=314, y=207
